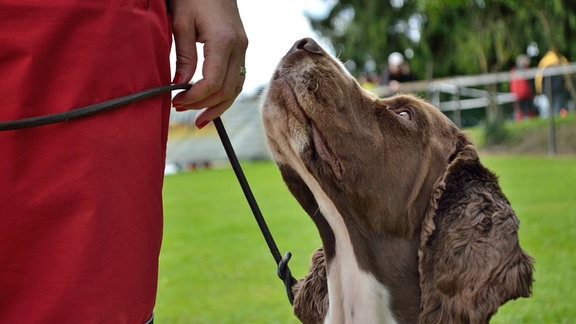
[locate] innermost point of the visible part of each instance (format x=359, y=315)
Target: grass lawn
x=531, y=136
x=216, y=268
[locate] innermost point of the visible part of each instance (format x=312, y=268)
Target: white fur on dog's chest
x=355, y=296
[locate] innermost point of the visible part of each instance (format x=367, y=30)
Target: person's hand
x=216, y=24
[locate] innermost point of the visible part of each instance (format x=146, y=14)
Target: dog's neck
x=393, y=262
x=370, y=279
x=356, y=296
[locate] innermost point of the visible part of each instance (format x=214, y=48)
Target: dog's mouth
x=310, y=135
x=289, y=99
x=325, y=153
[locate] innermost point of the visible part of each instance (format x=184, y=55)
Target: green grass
x=530, y=136
x=216, y=268
x=215, y=264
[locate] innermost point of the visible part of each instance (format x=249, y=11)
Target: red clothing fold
x=80, y=201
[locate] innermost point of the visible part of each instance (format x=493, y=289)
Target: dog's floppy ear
x=311, y=292
x=470, y=261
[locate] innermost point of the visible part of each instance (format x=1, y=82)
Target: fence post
x=551, y=113
x=457, y=114
x=493, y=112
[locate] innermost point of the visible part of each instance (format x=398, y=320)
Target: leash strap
x=282, y=262
x=91, y=109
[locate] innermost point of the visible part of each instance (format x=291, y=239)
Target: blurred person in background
x=398, y=71
x=522, y=90
x=560, y=85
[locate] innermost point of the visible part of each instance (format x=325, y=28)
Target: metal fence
x=464, y=92
x=189, y=146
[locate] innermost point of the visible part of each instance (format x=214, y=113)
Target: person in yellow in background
x=560, y=85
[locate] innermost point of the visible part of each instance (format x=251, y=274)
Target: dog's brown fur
x=423, y=214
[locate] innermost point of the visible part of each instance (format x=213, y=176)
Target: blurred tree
x=447, y=37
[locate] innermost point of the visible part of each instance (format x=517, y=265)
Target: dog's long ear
x=311, y=292
x=470, y=260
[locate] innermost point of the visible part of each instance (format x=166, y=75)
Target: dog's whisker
x=316, y=212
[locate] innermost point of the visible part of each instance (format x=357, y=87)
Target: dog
x=414, y=228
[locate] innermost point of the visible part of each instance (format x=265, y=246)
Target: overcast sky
x=272, y=27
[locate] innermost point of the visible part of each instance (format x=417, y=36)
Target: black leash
x=282, y=262
x=91, y=109
x=283, y=270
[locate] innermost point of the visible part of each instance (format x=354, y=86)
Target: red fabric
x=80, y=202
x=520, y=87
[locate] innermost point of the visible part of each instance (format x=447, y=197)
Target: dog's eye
x=405, y=114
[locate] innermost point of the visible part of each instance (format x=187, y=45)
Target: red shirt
x=80, y=202
x=520, y=87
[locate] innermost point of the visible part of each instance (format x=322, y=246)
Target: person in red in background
x=522, y=90
x=81, y=201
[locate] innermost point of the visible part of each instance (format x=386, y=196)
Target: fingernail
x=177, y=105
x=177, y=78
x=201, y=124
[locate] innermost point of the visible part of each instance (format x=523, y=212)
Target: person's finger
x=186, y=50
x=209, y=114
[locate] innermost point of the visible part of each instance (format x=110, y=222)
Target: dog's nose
x=308, y=45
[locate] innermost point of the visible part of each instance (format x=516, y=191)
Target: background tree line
x=447, y=37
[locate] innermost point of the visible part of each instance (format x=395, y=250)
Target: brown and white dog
x=414, y=228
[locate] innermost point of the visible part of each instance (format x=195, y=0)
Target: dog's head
x=395, y=169
x=377, y=159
